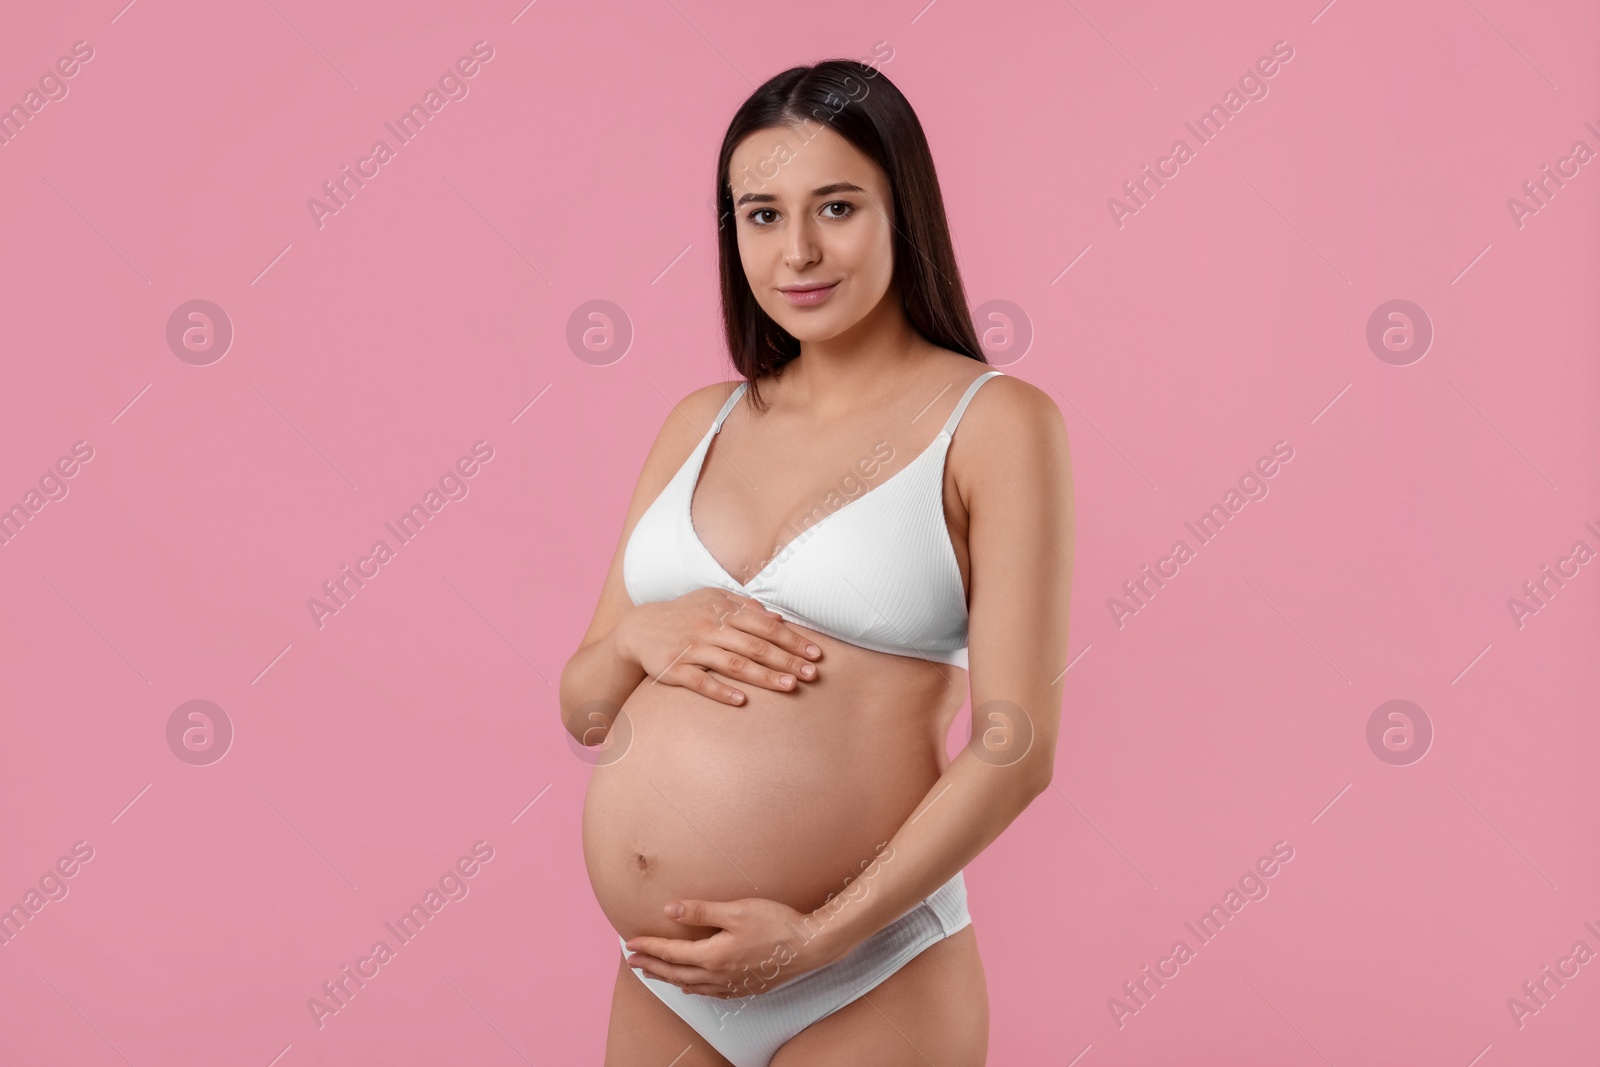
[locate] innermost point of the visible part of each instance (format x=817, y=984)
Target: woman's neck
x=833, y=377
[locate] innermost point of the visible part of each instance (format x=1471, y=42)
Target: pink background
x=433, y=311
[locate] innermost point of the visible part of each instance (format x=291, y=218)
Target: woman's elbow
x=1038, y=767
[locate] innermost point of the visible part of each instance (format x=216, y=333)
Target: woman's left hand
x=758, y=944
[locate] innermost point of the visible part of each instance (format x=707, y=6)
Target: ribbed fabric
x=878, y=572
x=750, y=1030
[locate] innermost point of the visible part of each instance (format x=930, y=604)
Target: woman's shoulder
x=715, y=394
x=1006, y=396
x=697, y=410
x=687, y=421
x=685, y=424
x=1007, y=416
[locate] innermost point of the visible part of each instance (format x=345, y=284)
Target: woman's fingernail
x=808, y=670
x=813, y=650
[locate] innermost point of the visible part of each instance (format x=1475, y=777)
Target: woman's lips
x=808, y=297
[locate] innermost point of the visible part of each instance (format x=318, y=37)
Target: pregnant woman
x=814, y=568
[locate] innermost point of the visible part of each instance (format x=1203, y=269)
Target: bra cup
x=883, y=571
x=658, y=562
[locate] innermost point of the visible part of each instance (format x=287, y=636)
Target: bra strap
x=733, y=398
x=955, y=416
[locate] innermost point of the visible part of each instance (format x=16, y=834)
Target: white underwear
x=749, y=1030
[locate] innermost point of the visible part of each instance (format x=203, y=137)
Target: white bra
x=878, y=572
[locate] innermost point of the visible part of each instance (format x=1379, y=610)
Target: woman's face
x=809, y=209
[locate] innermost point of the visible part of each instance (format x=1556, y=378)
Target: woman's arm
x=683, y=640
x=1020, y=543
x=599, y=677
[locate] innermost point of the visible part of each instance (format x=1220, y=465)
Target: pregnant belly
x=783, y=798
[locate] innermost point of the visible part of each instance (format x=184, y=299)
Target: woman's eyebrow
x=824, y=190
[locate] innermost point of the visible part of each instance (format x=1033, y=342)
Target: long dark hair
x=863, y=106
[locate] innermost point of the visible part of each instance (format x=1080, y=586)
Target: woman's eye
x=755, y=216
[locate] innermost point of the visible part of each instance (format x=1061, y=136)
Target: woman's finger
x=689, y=673
x=762, y=649
x=770, y=627
x=676, y=973
x=746, y=661
x=752, y=655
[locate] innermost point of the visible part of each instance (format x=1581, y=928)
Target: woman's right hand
x=680, y=641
